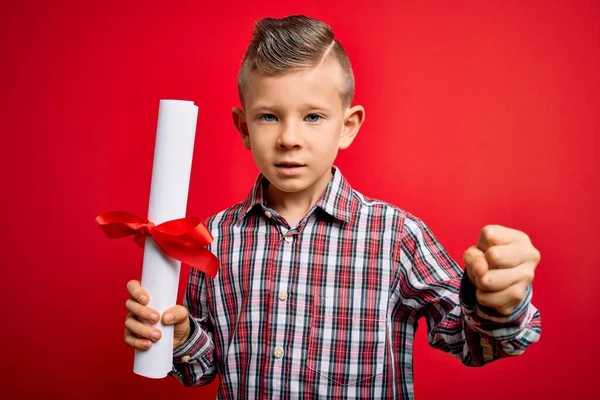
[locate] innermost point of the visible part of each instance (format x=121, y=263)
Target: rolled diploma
x=171, y=170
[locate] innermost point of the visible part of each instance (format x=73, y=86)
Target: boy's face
x=294, y=124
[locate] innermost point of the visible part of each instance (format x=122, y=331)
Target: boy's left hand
x=501, y=267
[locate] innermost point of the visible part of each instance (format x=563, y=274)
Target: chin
x=289, y=186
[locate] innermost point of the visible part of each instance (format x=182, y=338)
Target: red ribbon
x=182, y=239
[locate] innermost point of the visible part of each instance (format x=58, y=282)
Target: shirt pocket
x=343, y=347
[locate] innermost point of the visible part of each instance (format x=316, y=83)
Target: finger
x=175, y=315
x=137, y=292
x=496, y=280
x=141, y=311
x=505, y=300
x=475, y=263
x=135, y=342
x=511, y=255
x=141, y=330
x=494, y=235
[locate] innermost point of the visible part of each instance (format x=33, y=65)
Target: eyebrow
x=276, y=107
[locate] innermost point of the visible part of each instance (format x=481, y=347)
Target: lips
x=289, y=164
x=289, y=169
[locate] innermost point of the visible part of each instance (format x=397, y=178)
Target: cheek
x=260, y=148
x=258, y=142
x=327, y=140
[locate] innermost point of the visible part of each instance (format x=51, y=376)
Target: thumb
x=480, y=267
x=175, y=315
x=476, y=264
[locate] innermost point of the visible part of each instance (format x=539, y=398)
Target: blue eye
x=268, y=117
x=313, y=118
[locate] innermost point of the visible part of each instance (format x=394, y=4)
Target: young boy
x=320, y=288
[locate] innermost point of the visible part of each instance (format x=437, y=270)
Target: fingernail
x=144, y=298
x=147, y=344
x=155, y=335
x=153, y=317
x=169, y=317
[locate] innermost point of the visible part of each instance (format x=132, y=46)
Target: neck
x=293, y=206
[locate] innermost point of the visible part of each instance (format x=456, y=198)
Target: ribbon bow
x=182, y=239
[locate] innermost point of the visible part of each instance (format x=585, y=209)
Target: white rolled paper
x=171, y=170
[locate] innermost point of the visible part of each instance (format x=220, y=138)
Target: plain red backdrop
x=477, y=112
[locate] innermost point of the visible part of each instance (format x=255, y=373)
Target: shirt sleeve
x=433, y=286
x=193, y=361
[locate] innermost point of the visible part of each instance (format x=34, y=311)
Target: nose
x=290, y=136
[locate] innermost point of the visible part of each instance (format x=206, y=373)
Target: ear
x=353, y=120
x=239, y=120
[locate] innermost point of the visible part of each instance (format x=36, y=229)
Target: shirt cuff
x=194, y=347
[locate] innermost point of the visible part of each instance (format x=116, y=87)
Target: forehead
x=317, y=86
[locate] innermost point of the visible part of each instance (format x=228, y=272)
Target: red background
x=477, y=112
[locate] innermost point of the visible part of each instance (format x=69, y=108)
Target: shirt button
x=186, y=359
x=288, y=238
x=268, y=214
x=278, y=352
x=283, y=295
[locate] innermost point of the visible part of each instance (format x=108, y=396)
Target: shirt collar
x=338, y=200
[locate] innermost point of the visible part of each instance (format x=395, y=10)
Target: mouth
x=289, y=164
x=289, y=169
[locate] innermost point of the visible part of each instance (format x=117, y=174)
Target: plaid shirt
x=329, y=308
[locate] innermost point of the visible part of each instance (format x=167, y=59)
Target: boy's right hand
x=141, y=336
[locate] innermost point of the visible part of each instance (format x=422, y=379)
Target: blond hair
x=290, y=44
